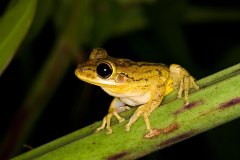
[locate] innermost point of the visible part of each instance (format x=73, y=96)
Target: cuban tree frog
x=132, y=83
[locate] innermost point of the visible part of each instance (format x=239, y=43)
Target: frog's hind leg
x=193, y=84
x=183, y=81
x=185, y=85
x=106, y=122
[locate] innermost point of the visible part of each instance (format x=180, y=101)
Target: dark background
x=201, y=35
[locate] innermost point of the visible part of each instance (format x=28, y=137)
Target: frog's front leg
x=146, y=109
x=182, y=80
x=115, y=107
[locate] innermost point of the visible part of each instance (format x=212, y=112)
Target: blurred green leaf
x=61, y=14
x=51, y=74
x=196, y=14
x=44, y=10
x=133, y=2
x=112, y=19
x=13, y=27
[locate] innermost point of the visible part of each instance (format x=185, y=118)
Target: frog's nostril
x=81, y=69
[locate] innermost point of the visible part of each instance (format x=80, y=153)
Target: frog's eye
x=104, y=70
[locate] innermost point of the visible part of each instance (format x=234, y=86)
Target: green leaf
x=217, y=102
x=196, y=14
x=14, y=25
x=51, y=74
x=113, y=19
x=134, y=2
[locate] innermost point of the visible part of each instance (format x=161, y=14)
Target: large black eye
x=104, y=70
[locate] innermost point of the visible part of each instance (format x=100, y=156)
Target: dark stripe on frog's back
x=141, y=65
x=128, y=63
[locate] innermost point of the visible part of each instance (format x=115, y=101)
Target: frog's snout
x=79, y=70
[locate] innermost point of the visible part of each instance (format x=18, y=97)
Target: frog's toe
x=179, y=96
x=151, y=133
x=99, y=129
x=186, y=102
x=127, y=128
x=197, y=87
x=127, y=108
x=108, y=130
x=121, y=120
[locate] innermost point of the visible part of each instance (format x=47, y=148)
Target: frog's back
x=141, y=70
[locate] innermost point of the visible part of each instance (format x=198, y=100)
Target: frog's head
x=101, y=70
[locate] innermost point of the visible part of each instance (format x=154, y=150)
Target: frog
x=132, y=83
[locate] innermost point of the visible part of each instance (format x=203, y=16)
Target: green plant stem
x=217, y=102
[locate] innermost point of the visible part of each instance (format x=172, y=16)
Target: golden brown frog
x=133, y=84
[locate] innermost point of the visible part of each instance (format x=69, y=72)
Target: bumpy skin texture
x=132, y=83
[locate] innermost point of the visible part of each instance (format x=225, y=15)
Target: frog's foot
x=193, y=84
x=106, y=123
x=108, y=130
x=185, y=85
x=120, y=119
x=126, y=108
x=127, y=127
x=151, y=133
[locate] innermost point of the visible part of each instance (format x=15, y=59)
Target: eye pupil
x=104, y=70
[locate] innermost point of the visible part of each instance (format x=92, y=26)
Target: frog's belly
x=135, y=101
x=131, y=98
